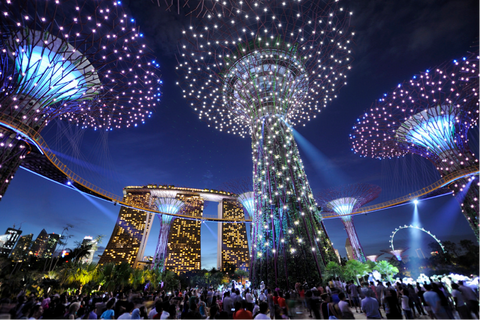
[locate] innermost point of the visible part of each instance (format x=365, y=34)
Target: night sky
x=394, y=40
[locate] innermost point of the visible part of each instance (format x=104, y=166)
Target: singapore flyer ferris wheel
x=414, y=227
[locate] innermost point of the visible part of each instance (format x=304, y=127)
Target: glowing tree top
x=347, y=199
x=397, y=253
x=428, y=115
x=247, y=200
x=169, y=205
x=285, y=58
x=82, y=61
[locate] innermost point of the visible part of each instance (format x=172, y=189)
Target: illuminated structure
x=345, y=200
x=10, y=240
x=248, y=202
x=430, y=116
x=273, y=65
x=201, y=8
x=373, y=257
x=50, y=246
x=22, y=249
x=184, y=249
x=169, y=205
x=40, y=244
x=131, y=231
x=71, y=60
x=349, y=249
x=232, y=237
x=133, y=227
x=417, y=228
x=397, y=253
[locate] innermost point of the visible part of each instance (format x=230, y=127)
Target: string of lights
x=269, y=67
x=83, y=62
x=429, y=115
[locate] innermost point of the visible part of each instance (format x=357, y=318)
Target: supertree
x=248, y=203
x=168, y=205
x=271, y=66
x=373, y=257
x=345, y=200
x=397, y=253
x=243, y=189
x=80, y=61
x=430, y=116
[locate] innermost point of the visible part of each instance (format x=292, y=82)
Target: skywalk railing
x=444, y=181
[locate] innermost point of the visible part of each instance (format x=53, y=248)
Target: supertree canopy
x=248, y=203
x=397, y=253
x=273, y=65
x=430, y=116
x=345, y=200
x=168, y=205
x=80, y=61
x=202, y=8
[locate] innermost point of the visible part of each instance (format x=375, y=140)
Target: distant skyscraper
x=349, y=249
x=9, y=241
x=92, y=243
x=51, y=245
x=184, y=250
x=40, y=244
x=131, y=231
x=232, y=237
x=20, y=253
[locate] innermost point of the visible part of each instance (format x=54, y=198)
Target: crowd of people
x=337, y=300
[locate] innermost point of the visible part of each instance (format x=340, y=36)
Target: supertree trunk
x=352, y=235
x=161, y=251
x=12, y=153
x=287, y=244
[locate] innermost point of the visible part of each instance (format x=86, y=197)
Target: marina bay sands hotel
x=132, y=229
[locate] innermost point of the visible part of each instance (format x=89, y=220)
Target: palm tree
x=333, y=270
x=386, y=269
x=154, y=276
x=353, y=269
x=77, y=273
x=137, y=278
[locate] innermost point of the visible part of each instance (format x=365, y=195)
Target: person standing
x=391, y=306
x=344, y=308
x=380, y=290
x=433, y=301
x=462, y=308
x=271, y=305
x=353, y=292
x=407, y=311
x=470, y=297
x=370, y=306
x=228, y=304
x=263, y=311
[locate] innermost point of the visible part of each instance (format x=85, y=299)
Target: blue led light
x=47, y=75
x=141, y=34
x=437, y=133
